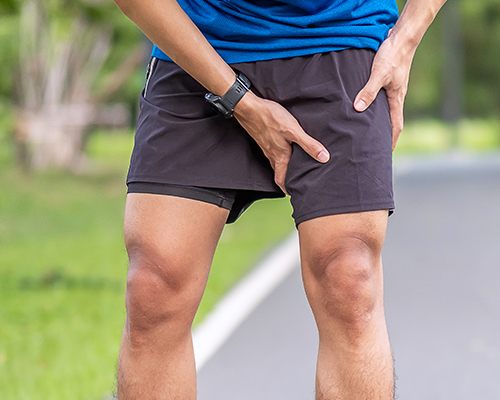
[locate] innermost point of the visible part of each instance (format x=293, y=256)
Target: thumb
x=367, y=95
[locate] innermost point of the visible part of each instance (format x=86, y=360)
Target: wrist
x=413, y=23
x=226, y=103
x=404, y=43
x=247, y=104
x=222, y=82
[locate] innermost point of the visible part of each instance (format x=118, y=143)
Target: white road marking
x=235, y=306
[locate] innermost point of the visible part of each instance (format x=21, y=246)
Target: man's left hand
x=390, y=71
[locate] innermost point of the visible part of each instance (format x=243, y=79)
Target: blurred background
x=70, y=74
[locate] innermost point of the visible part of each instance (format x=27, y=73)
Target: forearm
x=167, y=25
x=415, y=19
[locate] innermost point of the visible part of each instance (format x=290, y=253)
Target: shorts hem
x=219, y=197
x=344, y=210
x=247, y=186
x=235, y=200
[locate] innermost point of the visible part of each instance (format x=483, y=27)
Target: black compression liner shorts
x=182, y=142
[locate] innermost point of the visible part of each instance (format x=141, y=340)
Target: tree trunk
x=453, y=86
x=53, y=137
x=56, y=106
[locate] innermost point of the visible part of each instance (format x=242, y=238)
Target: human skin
x=340, y=254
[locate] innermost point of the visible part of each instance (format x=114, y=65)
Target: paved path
x=442, y=268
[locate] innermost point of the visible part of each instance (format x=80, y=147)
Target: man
x=297, y=66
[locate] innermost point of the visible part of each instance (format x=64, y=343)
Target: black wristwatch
x=225, y=104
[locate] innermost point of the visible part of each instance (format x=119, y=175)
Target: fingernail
x=360, y=105
x=323, y=156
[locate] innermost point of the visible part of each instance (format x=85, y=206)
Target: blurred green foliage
x=482, y=45
x=481, y=69
x=96, y=14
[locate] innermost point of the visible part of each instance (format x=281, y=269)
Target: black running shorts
x=181, y=142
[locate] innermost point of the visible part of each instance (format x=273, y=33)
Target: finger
x=397, y=118
x=280, y=175
x=397, y=121
x=367, y=95
x=395, y=138
x=312, y=147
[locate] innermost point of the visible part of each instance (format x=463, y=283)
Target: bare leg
x=342, y=272
x=170, y=242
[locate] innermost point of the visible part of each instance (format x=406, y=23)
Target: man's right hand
x=268, y=123
x=275, y=129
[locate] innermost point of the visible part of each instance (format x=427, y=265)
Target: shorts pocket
x=149, y=72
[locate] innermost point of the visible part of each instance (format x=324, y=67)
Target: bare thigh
x=170, y=242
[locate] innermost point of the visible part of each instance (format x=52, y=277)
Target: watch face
x=215, y=102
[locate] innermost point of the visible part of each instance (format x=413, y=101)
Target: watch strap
x=236, y=92
x=225, y=104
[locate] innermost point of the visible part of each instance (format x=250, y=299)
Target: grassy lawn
x=434, y=137
x=63, y=264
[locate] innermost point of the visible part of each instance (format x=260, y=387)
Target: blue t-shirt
x=246, y=30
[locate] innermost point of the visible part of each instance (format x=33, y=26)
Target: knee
x=160, y=289
x=344, y=281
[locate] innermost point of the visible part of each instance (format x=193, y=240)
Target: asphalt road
x=442, y=280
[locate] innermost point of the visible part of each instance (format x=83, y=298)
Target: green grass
x=434, y=137
x=62, y=274
x=63, y=268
